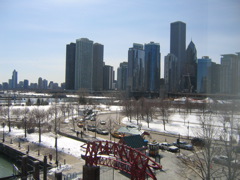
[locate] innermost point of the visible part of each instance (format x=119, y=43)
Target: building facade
x=178, y=46
x=84, y=64
x=70, y=66
x=170, y=73
x=14, y=81
x=98, y=51
x=152, y=66
x=108, y=77
x=136, y=68
x=204, y=75
x=122, y=73
x=229, y=74
x=189, y=75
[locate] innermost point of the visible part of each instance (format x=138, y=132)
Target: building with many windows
x=136, y=68
x=84, y=64
x=170, y=73
x=70, y=66
x=108, y=77
x=204, y=75
x=98, y=51
x=122, y=73
x=178, y=46
x=152, y=66
x=230, y=74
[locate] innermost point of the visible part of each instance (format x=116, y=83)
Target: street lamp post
x=3, y=125
x=56, y=149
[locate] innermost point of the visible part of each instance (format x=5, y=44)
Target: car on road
x=102, y=131
x=183, y=145
x=224, y=160
x=91, y=128
x=168, y=147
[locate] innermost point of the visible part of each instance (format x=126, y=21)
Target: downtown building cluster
x=85, y=68
x=184, y=72
x=42, y=84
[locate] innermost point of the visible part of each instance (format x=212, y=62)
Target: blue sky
x=34, y=33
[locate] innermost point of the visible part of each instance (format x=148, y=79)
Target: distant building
x=152, y=66
x=84, y=64
x=122, y=73
x=215, y=83
x=108, y=77
x=25, y=84
x=40, y=83
x=170, y=73
x=98, y=51
x=178, y=46
x=136, y=68
x=204, y=75
x=70, y=66
x=230, y=74
x=14, y=79
x=45, y=84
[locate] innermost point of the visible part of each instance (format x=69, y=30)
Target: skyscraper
x=170, y=73
x=108, y=77
x=152, y=66
x=178, y=45
x=136, y=68
x=122, y=76
x=70, y=66
x=229, y=74
x=98, y=66
x=14, y=79
x=204, y=75
x=84, y=64
x=189, y=76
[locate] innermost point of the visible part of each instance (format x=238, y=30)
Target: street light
x=3, y=125
x=56, y=136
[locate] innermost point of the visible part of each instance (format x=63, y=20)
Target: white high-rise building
x=84, y=64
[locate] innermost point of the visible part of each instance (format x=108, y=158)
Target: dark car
x=91, y=128
x=183, y=145
x=198, y=142
x=168, y=147
x=102, y=131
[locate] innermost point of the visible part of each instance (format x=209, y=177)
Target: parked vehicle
x=224, y=160
x=183, y=145
x=103, y=122
x=91, y=128
x=168, y=147
x=198, y=142
x=102, y=131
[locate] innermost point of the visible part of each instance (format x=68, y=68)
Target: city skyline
x=34, y=34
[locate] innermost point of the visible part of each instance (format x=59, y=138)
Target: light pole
x=3, y=125
x=56, y=149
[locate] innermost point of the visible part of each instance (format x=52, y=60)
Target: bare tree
x=201, y=161
x=128, y=108
x=25, y=113
x=164, y=112
x=39, y=115
x=229, y=136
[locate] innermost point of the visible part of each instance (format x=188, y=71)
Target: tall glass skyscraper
x=70, y=66
x=170, y=73
x=204, y=75
x=122, y=73
x=178, y=45
x=152, y=63
x=136, y=68
x=84, y=64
